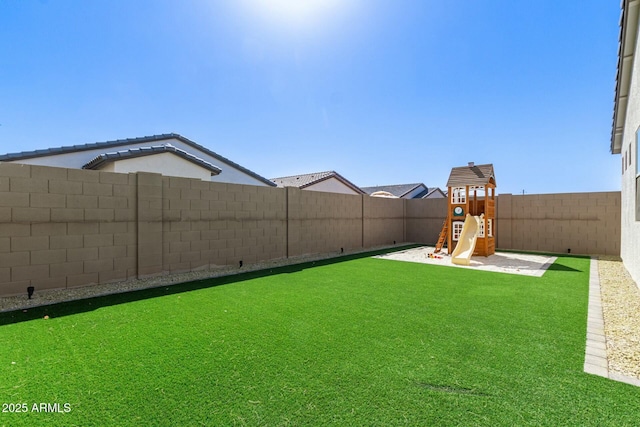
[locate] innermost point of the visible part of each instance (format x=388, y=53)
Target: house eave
x=626, y=48
x=99, y=161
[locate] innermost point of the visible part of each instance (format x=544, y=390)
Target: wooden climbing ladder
x=443, y=235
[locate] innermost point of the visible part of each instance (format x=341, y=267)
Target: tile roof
x=431, y=191
x=104, y=158
x=423, y=193
x=383, y=194
x=306, y=180
x=123, y=142
x=471, y=175
x=397, y=190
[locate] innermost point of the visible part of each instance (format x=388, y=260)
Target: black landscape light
x=30, y=290
x=240, y=263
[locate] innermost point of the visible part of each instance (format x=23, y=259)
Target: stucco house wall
x=167, y=163
x=331, y=185
x=627, y=116
x=630, y=227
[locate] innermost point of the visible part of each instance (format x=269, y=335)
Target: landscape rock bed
x=621, y=309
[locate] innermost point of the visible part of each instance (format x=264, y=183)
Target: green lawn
x=359, y=342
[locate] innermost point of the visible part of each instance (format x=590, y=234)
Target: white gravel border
x=620, y=300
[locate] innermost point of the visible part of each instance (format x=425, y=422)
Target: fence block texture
x=582, y=223
x=59, y=233
x=323, y=222
x=425, y=218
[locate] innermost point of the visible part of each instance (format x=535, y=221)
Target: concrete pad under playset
x=500, y=262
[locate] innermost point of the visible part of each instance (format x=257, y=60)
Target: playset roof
x=471, y=175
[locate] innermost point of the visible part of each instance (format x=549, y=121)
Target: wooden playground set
x=469, y=227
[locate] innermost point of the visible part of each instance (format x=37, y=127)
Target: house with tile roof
x=625, y=134
x=435, y=193
x=406, y=191
x=329, y=181
x=170, y=154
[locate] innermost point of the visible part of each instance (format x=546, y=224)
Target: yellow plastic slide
x=467, y=242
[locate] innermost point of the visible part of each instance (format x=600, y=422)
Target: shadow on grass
x=93, y=303
x=559, y=267
x=554, y=266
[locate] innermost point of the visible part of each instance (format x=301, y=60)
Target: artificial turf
x=360, y=342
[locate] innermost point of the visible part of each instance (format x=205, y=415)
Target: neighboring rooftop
x=383, y=194
x=399, y=190
x=102, y=159
x=433, y=191
x=11, y=157
x=407, y=191
x=471, y=174
x=309, y=179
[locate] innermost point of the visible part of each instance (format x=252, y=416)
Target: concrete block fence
x=583, y=223
x=62, y=228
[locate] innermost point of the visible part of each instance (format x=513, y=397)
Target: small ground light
x=569, y=250
x=341, y=250
x=240, y=263
x=30, y=290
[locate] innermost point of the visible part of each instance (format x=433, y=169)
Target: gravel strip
x=54, y=296
x=621, y=309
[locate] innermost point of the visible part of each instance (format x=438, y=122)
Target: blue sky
x=382, y=91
